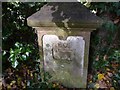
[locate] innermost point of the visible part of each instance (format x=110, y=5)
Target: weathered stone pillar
x=63, y=31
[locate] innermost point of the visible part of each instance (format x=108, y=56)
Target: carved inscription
x=62, y=51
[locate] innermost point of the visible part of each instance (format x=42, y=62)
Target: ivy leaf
x=11, y=51
x=24, y=57
x=15, y=63
x=17, y=44
x=11, y=56
x=27, y=53
x=4, y=52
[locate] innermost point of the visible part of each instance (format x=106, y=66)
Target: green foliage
x=15, y=30
x=19, y=44
x=114, y=60
x=109, y=25
x=115, y=56
x=106, y=7
x=19, y=53
x=108, y=12
x=20, y=48
x=104, y=47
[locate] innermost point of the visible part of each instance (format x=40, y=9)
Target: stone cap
x=64, y=14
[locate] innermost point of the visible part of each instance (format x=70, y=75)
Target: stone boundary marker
x=63, y=31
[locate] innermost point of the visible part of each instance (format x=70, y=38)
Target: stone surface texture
x=64, y=59
x=68, y=15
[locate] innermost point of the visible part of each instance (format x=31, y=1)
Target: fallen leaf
x=97, y=58
x=109, y=74
x=102, y=84
x=105, y=57
x=97, y=85
x=116, y=21
x=112, y=88
x=100, y=76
